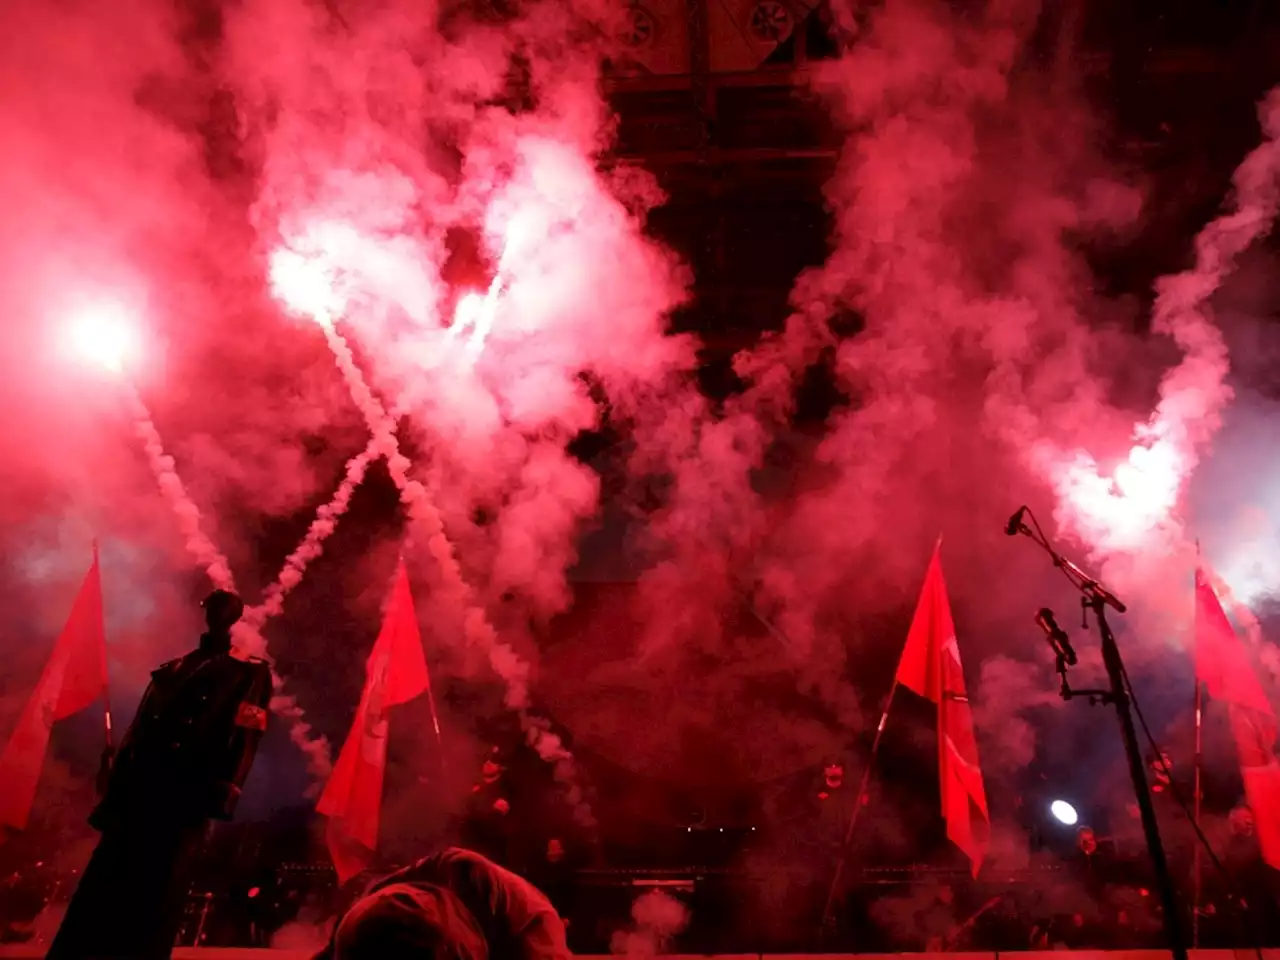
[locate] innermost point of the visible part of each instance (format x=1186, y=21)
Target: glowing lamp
x=1064, y=813
x=107, y=337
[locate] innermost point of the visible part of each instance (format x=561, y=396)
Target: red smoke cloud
x=355, y=219
x=360, y=142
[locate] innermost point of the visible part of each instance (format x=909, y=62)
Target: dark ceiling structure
x=717, y=102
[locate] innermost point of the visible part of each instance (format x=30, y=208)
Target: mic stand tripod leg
x=1137, y=771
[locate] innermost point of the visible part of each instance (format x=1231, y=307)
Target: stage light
x=106, y=336
x=1064, y=813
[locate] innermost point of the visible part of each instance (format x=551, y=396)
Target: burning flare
x=106, y=336
x=1124, y=511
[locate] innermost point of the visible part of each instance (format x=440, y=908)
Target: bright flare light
x=475, y=314
x=107, y=337
x=1064, y=813
x=1121, y=512
x=466, y=315
x=305, y=285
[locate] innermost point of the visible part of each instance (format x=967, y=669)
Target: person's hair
x=222, y=606
x=409, y=921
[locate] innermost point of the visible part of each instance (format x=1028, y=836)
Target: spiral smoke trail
x=248, y=638
x=504, y=660
x=171, y=485
x=312, y=545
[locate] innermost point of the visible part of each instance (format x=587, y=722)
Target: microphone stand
x=1097, y=598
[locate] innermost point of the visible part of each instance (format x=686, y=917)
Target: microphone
x=1015, y=523
x=1058, y=638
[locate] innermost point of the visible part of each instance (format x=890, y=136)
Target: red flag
x=396, y=672
x=1222, y=665
x=74, y=677
x=930, y=666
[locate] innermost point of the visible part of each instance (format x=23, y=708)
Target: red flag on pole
x=73, y=678
x=930, y=667
x=396, y=672
x=1222, y=665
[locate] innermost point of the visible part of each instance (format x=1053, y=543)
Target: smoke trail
x=162, y=465
x=1120, y=512
x=314, y=747
x=246, y=633
x=339, y=126
x=312, y=545
x=504, y=660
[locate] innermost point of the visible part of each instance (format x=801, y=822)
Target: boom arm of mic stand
x=1086, y=584
x=1090, y=586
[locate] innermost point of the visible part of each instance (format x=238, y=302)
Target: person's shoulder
x=243, y=671
x=462, y=855
x=458, y=853
x=168, y=667
x=257, y=672
x=249, y=664
x=451, y=862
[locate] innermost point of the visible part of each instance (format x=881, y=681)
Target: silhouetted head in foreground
x=221, y=610
x=409, y=921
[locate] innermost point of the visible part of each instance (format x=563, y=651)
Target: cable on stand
x=1096, y=598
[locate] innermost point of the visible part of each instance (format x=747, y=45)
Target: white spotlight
x=1064, y=813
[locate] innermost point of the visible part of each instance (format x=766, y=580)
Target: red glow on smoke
x=372, y=144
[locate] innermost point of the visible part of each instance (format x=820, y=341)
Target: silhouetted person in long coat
x=181, y=763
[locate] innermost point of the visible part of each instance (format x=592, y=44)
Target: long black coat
x=192, y=742
x=182, y=761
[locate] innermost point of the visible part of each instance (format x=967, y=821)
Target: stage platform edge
x=25, y=952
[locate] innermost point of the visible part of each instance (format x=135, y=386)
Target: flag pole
x=865, y=783
x=1196, y=867
x=435, y=721
x=108, y=747
x=858, y=803
x=431, y=703
x=1197, y=871
x=106, y=687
